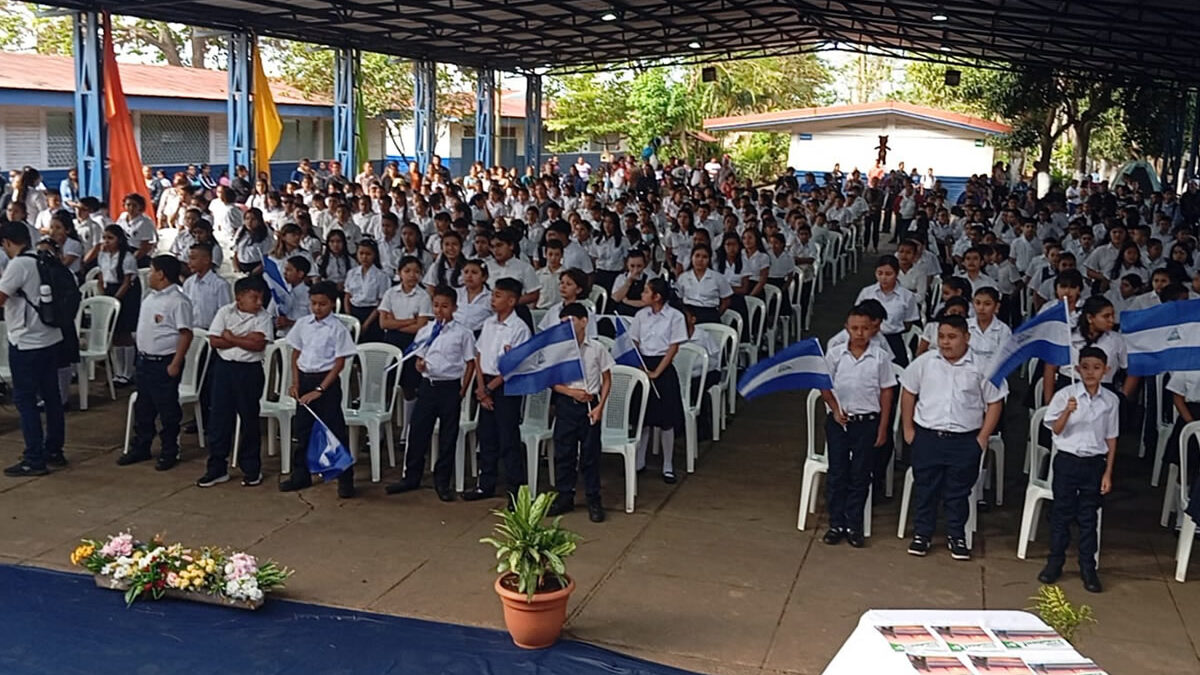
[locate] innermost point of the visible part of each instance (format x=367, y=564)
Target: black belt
x=155, y=357
x=865, y=417
x=442, y=383
x=950, y=434
x=1079, y=458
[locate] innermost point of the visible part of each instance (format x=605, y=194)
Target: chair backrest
x=793, y=288
x=599, y=298
x=352, y=324
x=591, y=306
x=606, y=341
x=619, y=418
x=277, y=371
x=733, y=320
x=1035, y=470
x=810, y=410
x=103, y=311
x=89, y=287
x=774, y=298
x=726, y=337
x=379, y=375
x=196, y=361
x=1190, y=431
x=1165, y=411
x=537, y=315
x=537, y=410
x=757, y=310
x=686, y=358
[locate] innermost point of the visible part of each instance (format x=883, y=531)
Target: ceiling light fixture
x=945, y=47
x=694, y=44
x=608, y=16
x=939, y=14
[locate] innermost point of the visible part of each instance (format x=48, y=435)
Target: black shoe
x=56, y=459
x=346, y=484
x=855, y=539
x=958, y=548
x=252, y=481
x=595, y=510
x=477, y=494
x=445, y=494
x=562, y=504
x=122, y=382
x=295, y=483
x=1091, y=581
x=397, y=488
x=130, y=458
x=669, y=477
x=190, y=428
x=166, y=463
x=209, y=479
x=1050, y=573
x=834, y=536
x=919, y=546
x=24, y=468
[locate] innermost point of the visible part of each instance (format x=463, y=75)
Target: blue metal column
x=89, y=105
x=237, y=115
x=533, y=121
x=424, y=110
x=345, y=116
x=485, y=117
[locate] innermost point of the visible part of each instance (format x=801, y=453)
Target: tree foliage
x=586, y=108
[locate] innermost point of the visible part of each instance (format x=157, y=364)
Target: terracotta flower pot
x=537, y=624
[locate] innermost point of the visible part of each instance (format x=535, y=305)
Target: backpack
x=65, y=297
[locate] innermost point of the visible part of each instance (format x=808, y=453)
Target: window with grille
x=60, y=139
x=174, y=139
x=299, y=140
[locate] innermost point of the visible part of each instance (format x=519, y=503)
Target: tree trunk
x=1083, y=138
x=199, y=49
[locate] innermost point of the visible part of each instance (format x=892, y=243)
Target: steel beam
x=237, y=119
x=424, y=110
x=345, y=109
x=533, y=121
x=89, y=105
x=485, y=115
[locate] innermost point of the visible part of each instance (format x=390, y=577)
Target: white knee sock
x=408, y=411
x=64, y=382
x=668, y=450
x=643, y=445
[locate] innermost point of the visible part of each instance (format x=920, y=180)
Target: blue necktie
x=437, y=330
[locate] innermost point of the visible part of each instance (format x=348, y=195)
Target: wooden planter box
x=193, y=596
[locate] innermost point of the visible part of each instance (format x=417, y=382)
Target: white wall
x=401, y=139
x=949, y=152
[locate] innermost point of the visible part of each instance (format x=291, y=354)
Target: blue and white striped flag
x=1045, y=336
x=281, y=293
x=551, y=357
x=800, y=366
x=1163, y=338
x=624, y=351
x=326, y=454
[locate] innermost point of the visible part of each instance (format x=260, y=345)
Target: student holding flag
x=499, y=409
x=404, y=310
x=658, y=329
x=1095, y=329
x=445, y=356
x=321, y=345
x=858, y=423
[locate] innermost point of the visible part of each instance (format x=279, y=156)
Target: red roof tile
x=854, y=110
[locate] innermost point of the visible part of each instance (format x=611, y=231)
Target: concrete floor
x=709, y=575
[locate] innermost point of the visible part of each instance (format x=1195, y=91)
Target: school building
x=953, y=144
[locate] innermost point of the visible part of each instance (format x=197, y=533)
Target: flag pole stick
x=583, y=369
x=1067, y=314
x=643, y=362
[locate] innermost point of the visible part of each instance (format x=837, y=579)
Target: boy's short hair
x=956, y=301
x=1173, y=291
x=559, y=226
x=573, y=309
x=510, y=286
x=136, y=199
x=300, y=263
x=1133, y=279
x=959, y=284
x=989, y=291
x=1069, y=279
x=874, y=309
x=325, y=288
x=447, y=292
x=554, y=245
x=908, y=243
x=1067, y=255
x=1093, y=352
x=977, y=250
x=954, y=321
x=168, y=265
x=857, y=310
x=1002, y=249
x=410, y=260
x=15, y=232
x=253, y=284
x=507, y=236
x=202, y=246
x=579, y=278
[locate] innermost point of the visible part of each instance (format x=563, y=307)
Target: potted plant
x=533, y=584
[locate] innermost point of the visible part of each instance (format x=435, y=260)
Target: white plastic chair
x=275, y=404
x=815, y=464
x=537, y=427
x=190, y=380
x=5, y=370
x=89, y=287
x=352, y=324
x=96, y=342
x=606, y=341
x=621, y=425
x=685, y=360
x=757, y=312
x=734, y=321
x=1187, y=526
x=538, y=314
x=1165, y=421
x=468, y=424
x=727, y=338
x=772, y=328
x=599, y=298
x=376, y=398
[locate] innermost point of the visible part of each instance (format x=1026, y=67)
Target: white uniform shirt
x=207, y=294
x=901, y=306
x=138, y=230
x=950, y=396
x=709, y=344
x=25, y=329
x=655, y=332
x=404, y=304
x=514, y=268
x=1111, y=343
x=163, y=316
x=610, y=255
x=877, y=340
x=752, y=266
x=707, y=291
x=496, y=338
x=1095, y=420
x=596, y=361
x=108, y=262
x=248, y=251
x=858, y=381
x=548, y=282
x=366, y=289
x=241, y=324
x=473, y=312
x=72, y=247
x=320, y=343
x=987, y=343
x=553, y=317
x=446, y=358
x=780, y=266
x=981, y=281
x=1186, y=383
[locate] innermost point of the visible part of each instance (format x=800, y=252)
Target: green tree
x=660, y=106
x=925, y=84
x=760, y=85
x=586, y=107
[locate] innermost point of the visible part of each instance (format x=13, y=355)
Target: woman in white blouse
x=610, y=251
x=706, y=292
x=755, y=262
x=364, y=288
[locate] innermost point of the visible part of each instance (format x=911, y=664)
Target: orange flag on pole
x=124, y=163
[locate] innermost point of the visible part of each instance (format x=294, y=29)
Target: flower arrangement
x=156, y=569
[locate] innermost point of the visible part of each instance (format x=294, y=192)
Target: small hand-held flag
x=326, y=454
x=800, y=366
x=624, y=351
x=1046, y=336
x=551, y=357
x=1163, y=338
x=281, y=293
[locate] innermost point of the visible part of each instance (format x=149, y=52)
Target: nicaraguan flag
x=1045, y=336
x=1163, y=338
x=326, y=454
x=800, y=366
x=551, y=357
x=280, y=292
x=624, y=351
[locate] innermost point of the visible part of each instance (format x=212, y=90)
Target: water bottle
x=44, y=294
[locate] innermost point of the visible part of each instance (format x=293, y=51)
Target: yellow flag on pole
x=268, y=128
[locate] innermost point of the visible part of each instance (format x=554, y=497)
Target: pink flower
x=120, y=545
x=241, y=565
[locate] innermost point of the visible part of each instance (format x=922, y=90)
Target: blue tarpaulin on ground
x=54, y=622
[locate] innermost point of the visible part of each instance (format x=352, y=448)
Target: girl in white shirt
x=755, y=262
x=572, y=285
x=474, y=297
x=119, y=280
x=70, y=249
x=287, y=245
x=704, y=290
x=610, y=252
x=988, y=335
x=447, y=268
x=659, y=329
x=731, y=264
x=403, y=311
x=252, y=243
x=364, y=288
x=336, y=262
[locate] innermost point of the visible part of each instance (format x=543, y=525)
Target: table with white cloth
x=956, y=642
